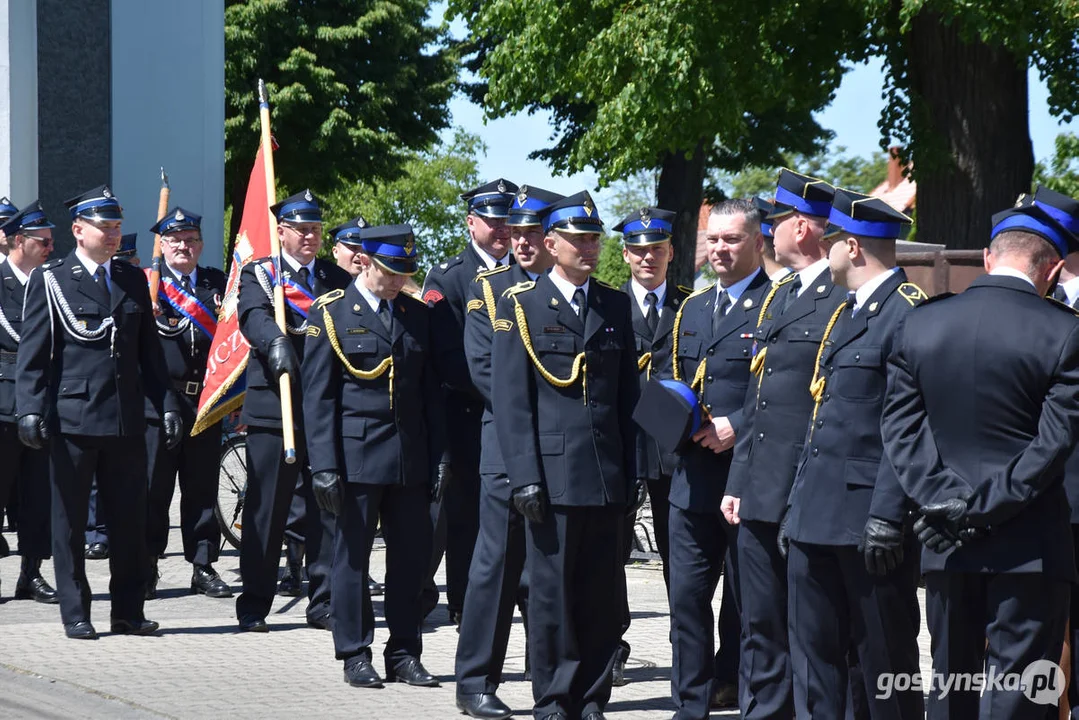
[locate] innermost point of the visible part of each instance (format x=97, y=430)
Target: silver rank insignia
x=179, y=215
x=501, y=186
x=106, y=192
x=307, y=196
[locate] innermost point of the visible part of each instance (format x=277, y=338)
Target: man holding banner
x=272, y=480
x=189, y=296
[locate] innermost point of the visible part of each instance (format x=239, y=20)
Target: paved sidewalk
x=201, y=667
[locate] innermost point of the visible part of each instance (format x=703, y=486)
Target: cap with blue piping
x=299, y=208
x=1029, y=217
x=176, y=220
x=96, y=204
x=646, y=226
x=393, y=247
x=491, y=200
x=31, y=217
x=865, y=216
x=802, y=194
x=527, y=205
x=575, y=215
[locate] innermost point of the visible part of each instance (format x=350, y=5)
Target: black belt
x=187, y=388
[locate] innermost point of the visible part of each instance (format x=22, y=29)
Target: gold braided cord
x=698, y=377
x=379, y=371
x=771, y=296
x=579, y=365
x=489, y=298
x=645, y=361
x=678, y=324
x=816, y=386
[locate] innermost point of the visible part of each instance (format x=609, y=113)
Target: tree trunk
x=972, y=150
x=681, y=190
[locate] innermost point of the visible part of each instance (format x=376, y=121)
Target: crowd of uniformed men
x=801, y=426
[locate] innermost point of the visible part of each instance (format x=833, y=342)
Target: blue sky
x=852, y=116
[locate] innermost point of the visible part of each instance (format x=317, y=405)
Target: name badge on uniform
x=357, y=331
x=553, y=329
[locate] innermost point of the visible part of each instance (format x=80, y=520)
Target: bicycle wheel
x=231, y=486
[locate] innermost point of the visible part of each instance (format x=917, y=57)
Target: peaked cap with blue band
x=96, y=204
x=31, y=217
x=646, y=226
x=1028, y=216
x=299, y=208
x=7, y=208
x=1062, y=208
x=491, y=200
x=128, y=246
x=576, y=215
x=350, y=231
x=391, y=246
x=803, y=194
x=176, y=220
x=670, y=412
x=765, y=208
x=865, y=216
x=527, y=204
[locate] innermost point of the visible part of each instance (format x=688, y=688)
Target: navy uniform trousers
x=27, y=471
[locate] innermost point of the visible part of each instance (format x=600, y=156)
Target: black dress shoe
x=412, y=672
x=321, y=622
x=253, y=624
x=725, y=696
x=97, y=551
x=373, y=587
x=362, y=674
x=133, y=627
x=205, y=580
x=81, y=630
x=291, y=584
x=455, y=617
x=618, y=672
x=483, y=705
x=36, y=589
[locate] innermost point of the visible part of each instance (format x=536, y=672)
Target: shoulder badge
x=519, y=288
x=474, y=304
x=313, y=331
x=502, y=325
x=450, y=262
x=493, y=271
x=912, y=293
x=332, y=296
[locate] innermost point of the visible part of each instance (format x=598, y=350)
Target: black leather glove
x=531, y=502
x=882, y=546
x=32, y=431
x=326, y=487
x=442, y=479
x=783, y=541
x=282, y=359
x=174, y=428
x=940, y=525
x=637, y=497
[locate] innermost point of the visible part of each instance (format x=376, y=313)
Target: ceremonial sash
x=297, y=296
x=187, y=305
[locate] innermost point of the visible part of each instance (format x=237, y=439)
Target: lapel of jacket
x=595, y=318
x=669, y=309
x=117, y=280
x=400, y=318
x=82, y=280
x=849, y=329
x=744, y=312
x=560, y=305
x=362, y=313
x=640, y=325
x=818, y=289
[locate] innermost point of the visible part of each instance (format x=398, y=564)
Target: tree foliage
x=354, y=86
x=426, y=195
x=1061, y=171
x=852, y=172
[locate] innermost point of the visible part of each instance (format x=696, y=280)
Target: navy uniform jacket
x=91, y=387
x=700, y=480
x=488, y=287
x=446, y=290
x=12, y=293
x=778, y=406
x=653, y=463
x=262, y=402
x=352, y=425
x=982, y=394
x=842, y=460
x=583, y=449
x=186, y=351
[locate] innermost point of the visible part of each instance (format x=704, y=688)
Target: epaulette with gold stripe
x=605, y=284
x=493, y=271
x=1062, y=305
x=331, y=296
x=912, y=293
x=520, y=287
x=689, y=290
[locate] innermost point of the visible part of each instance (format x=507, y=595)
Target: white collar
x=640, y=292
x=566, y=287
x=1071, y=288
x=90, y=265
x=18, y=273
x=779, y=274
x=194, y=274
x=809, y=274
x=862, y=294
x=1012, y=272
x=735, y=291
x=373, y=300
x=295, y=265
x=489, y=259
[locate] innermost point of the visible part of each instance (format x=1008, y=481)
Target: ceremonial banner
x=225, y=382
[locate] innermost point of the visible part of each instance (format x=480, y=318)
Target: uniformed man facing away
x=564, y=385
x=374, y=428
x=496, y=578
x=845, y=499
x=189, y=296
x=646, y=236
x=271, y=480
x=979, y=421
x=712, y=339
x=89, y=359
x=29, y=237
x=446, y=290
x=777, y=411
x=346, y=253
